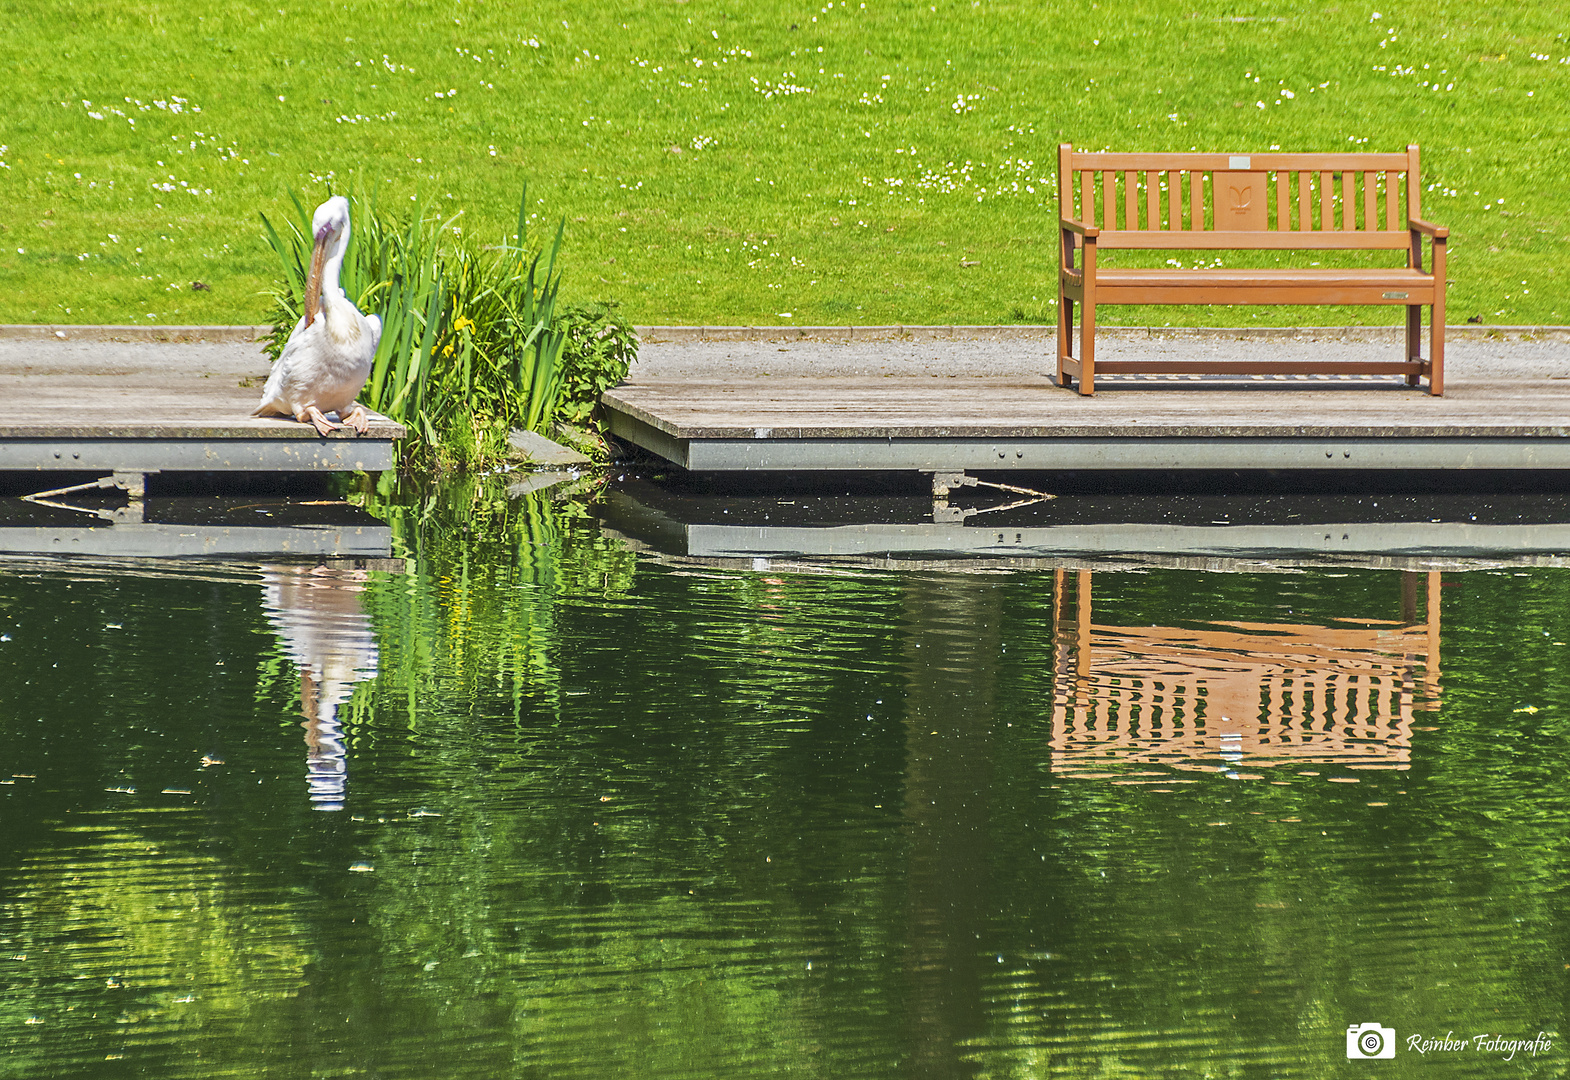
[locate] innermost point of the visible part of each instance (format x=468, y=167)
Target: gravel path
x=1018, y=355
x=1004, y=353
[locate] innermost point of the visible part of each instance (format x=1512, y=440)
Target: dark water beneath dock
x=541, y=806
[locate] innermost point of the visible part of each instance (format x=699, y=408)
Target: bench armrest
x=1438, y=232
x=1080, y=227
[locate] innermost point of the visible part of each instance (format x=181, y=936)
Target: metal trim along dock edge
x=1092, y=453
x=196, y=455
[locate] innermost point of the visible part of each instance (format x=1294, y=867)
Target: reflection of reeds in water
x=1237, y=693
x=477, y=610
x=319, y=619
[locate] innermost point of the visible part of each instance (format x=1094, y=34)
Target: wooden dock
x=105, y=412
x=751, y=423
x=148, y=407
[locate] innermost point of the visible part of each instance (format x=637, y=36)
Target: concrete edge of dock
x=693, y=334
x=226, y=335
x=688, y=334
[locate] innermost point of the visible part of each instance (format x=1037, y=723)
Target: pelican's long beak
x=313, y=281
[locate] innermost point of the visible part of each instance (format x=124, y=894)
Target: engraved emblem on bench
x=1243, y=208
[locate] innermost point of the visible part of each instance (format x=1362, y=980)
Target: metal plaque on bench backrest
x=1240, y=202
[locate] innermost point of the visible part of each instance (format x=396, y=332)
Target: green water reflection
x=537, y=806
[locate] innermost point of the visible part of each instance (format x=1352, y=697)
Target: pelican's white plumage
x=327, y=358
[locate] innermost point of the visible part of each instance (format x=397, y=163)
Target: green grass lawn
x=760, y=162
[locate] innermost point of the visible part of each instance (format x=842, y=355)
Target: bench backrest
x=1216, y=201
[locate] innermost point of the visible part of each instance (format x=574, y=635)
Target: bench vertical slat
x=1174, y=200
x=1283, y=202
x=1152, y=201
x=1065, y=181
x=1327, y=221
x=1370, y=206
x=1392, y=185
x=1109, y=200
x=1414, y=199
x=1087, y=197
x=1065, y=188
x=1131, y=200
x=1305, y=200
x=1196, y=201
x=1348, y=200
x=1413, y=208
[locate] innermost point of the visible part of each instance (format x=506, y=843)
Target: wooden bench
x=1303, y=203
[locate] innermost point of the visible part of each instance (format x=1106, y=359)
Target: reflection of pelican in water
x=317, y=615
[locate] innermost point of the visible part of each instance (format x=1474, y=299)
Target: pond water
x=530, y=803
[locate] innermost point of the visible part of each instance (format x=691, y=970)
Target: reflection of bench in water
x=1239, y=693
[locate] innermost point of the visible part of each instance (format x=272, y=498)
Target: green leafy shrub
x=600, y=348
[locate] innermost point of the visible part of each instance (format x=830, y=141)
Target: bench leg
x=1414, y=339
x=1065, y=336
x=1087, y=344
x=1436, y=322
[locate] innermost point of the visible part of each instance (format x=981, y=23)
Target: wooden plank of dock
x=160, y=407
x=936, y=424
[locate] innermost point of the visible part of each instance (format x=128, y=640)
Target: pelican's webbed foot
x=311, y=414
x=358, y=419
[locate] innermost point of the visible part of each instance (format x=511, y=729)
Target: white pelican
x=328, y=357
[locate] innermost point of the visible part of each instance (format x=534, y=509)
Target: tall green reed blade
x=288, y=252
x=546, y=385
x=413, y=389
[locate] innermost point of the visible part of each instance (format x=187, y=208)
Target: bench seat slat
x=1283, y=295
x=1392, y=277
x=1393, y=287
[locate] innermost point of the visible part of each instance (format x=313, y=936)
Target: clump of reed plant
x=473, y=344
